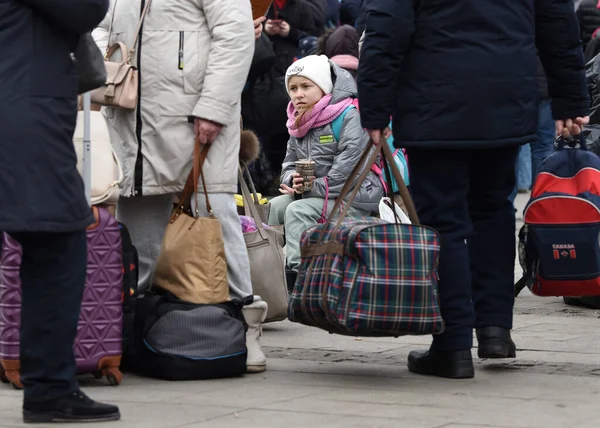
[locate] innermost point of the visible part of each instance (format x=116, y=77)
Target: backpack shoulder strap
x=336, y=125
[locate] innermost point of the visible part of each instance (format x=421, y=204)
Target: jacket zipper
x=180, y=53
x=138, y=172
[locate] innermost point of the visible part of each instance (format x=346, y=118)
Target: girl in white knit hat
x=322, y=96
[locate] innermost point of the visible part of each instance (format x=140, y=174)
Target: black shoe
x=495, y=342
x=290, y=277
x=450, y=364
x=76, y=407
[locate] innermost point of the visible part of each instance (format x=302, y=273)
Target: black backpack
x=177, y=340
x=130, y=285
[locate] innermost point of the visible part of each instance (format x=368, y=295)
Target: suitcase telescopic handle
x=86, y=147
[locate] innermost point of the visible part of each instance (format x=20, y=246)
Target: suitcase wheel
x=113, y=376
x=98, y=375
x=12, y=374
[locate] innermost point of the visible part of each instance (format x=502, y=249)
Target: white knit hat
x=315, y=68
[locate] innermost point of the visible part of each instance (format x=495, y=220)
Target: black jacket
x=41, y=189
x=463, y=74
x=361, y=20
x=318, y=10
x=302, y=17
x=350, y=11
x=589, y=20
x=542, y=82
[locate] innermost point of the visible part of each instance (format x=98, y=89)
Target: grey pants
x=297, y=216
x=146, y=217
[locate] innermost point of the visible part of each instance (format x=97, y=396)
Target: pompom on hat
x=315, y=68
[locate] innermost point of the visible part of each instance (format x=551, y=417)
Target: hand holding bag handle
x=192, y=264
x=191, y=185
x=364, y=161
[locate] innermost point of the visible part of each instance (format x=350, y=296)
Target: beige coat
x=155, y=145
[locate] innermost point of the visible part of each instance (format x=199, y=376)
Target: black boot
x=290, y=277
x=450, y=364
x=76, y=407
x=495, y=342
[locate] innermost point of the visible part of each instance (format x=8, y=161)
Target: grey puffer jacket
x=336, y=159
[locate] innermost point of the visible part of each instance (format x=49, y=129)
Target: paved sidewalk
x=321, y=380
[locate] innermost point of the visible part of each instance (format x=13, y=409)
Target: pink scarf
x=321, y=114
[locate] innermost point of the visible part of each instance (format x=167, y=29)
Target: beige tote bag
x=267, y=261
x=192, y=264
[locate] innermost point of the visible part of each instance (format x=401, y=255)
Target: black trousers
x=53, y=272
x=464, y=195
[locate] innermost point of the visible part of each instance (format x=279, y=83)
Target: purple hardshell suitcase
x=98, y=346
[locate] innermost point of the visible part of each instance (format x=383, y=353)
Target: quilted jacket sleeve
x=389, y=29
x=289, y=162
x=353, y=141
x=231, y=50
x=559, y=45
x=74, y=16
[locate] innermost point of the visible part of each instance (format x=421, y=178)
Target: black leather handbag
x=89, y=64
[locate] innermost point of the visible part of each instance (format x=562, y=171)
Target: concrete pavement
x=315, y=379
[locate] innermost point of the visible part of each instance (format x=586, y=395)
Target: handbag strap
x=137, y=31
x=191, y=185
x=365, y=160
x=247, y=198
x=323, y=218
x=247, y=178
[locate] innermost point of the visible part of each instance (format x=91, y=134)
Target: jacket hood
x=344, y=85
x=343, y=41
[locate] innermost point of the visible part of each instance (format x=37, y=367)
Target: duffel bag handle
x=366, y=160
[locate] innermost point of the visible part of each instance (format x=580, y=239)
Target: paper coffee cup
x=306, y=169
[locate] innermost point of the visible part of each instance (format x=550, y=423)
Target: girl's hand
x=284, y=189
x=297, y=182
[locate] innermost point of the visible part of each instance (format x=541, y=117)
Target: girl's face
x=303, y=92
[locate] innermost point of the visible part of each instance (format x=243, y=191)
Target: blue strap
x=336, y=125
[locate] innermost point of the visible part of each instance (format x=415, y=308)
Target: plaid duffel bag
x=369, y=277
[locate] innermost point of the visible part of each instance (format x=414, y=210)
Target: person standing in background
x=463, y=146
x=42, y=199
x=588, y=15
x=193, y=59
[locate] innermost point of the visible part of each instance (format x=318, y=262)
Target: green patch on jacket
x=325, y=139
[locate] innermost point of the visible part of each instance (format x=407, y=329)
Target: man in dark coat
x=459, y=79
x=42, y=201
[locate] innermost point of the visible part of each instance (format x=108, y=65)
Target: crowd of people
x=466, y=84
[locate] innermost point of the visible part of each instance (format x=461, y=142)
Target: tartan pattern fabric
x=374, y=279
